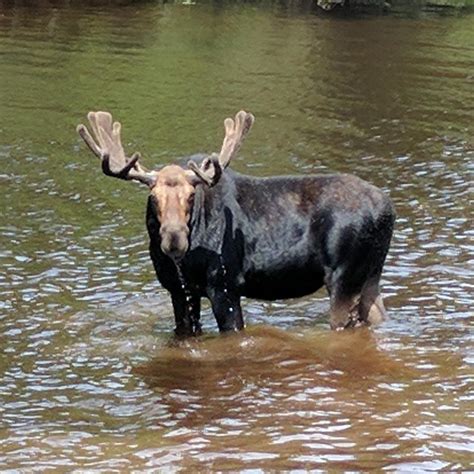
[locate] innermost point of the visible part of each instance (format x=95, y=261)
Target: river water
x=89, y=377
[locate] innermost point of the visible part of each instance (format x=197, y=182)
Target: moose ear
x=209, y=172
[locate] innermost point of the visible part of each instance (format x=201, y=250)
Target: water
x=89, y=378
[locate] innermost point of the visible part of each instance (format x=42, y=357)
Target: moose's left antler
x=236, y=130
x=235, y=133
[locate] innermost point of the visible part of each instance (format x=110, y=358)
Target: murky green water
x=87, y=377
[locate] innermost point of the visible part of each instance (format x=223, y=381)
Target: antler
x=210, y=170
x=236, y=130
x=235, y=133
x=108, y=147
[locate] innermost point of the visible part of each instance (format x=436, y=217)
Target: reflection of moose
x=223, y=235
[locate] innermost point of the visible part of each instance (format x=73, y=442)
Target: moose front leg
x=226, y=309
x=187, y=312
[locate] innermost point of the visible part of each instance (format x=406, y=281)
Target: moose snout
x=174, y=240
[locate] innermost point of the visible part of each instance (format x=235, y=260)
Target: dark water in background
x=87, y=378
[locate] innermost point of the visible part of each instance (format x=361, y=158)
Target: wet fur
x=279, y=237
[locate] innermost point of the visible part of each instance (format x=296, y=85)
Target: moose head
x=172, y=187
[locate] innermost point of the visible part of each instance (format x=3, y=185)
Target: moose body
x=276, y=238
x=222, y=235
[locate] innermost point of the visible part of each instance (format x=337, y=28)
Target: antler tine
x=235, y=133
x=107, y=146
x=204, y=172
x=86, y=136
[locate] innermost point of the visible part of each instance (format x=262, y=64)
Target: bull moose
x=219, y=234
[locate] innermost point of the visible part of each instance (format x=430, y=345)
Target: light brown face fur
x=173, y=194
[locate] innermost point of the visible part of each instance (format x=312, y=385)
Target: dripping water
x=183, y=283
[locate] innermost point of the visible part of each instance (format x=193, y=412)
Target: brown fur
x=173, y=192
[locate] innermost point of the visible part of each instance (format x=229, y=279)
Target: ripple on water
x=90, y=376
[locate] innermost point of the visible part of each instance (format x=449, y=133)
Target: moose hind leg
x=344, y=310
x=371, y=307
x=353, y=284
x=344, y=286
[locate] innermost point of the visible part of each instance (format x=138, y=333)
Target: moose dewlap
x=219, y=234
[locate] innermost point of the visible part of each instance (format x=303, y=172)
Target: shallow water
x=89, y=376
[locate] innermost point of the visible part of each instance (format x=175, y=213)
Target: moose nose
x=174, y=241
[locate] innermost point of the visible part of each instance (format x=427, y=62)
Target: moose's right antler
x=108, y=147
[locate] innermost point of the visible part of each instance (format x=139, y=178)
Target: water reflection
x=265, y=353
x=299, y=398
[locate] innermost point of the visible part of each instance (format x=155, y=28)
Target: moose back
x=219, y=234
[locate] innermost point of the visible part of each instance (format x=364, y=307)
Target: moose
x=220, y=234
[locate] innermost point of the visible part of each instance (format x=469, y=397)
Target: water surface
x=88, y=377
